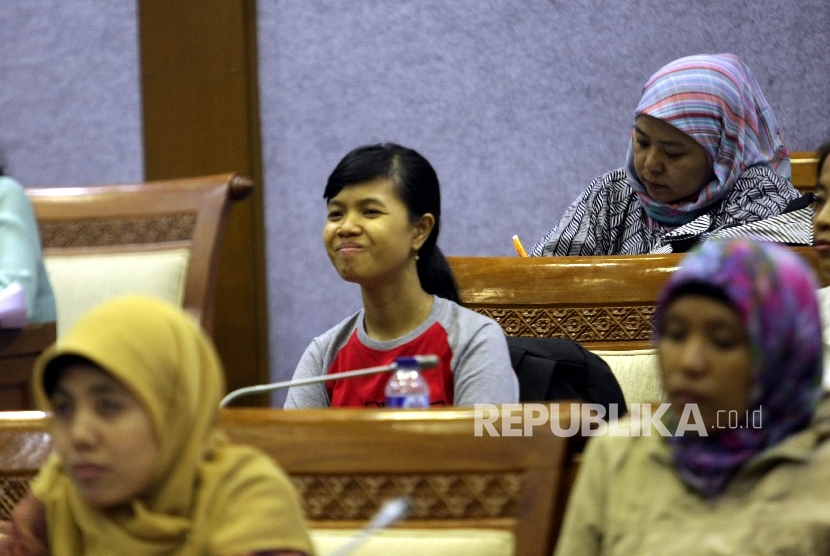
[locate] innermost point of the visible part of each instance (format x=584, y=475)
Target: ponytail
x=435, y=274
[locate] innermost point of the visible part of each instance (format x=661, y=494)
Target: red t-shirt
x=370, y=391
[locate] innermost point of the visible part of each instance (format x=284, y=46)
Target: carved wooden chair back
x=18, y=350
x=346, y=462
x=25, y=443
x=603, y=302
x=160, y=238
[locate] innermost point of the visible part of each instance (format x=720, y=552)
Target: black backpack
x=551, y=369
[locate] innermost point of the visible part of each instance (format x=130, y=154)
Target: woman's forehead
x=85, y=377
x=380, y=189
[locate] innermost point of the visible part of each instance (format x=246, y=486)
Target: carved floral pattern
x=117, y=231
x=579, y=324
x=12, y=490
x=434, y=496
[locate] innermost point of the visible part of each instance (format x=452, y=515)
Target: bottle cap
x=420, y=362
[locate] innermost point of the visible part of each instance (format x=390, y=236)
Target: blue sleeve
x=21, y=257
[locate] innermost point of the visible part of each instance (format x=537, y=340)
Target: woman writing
x=140, y=467
x=739, y=347
x=384, y=212
x=706, y=155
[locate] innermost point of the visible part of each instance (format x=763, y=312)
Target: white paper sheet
x=13, y=306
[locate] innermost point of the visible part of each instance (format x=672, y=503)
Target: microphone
x=424, y=362
x=391, y=511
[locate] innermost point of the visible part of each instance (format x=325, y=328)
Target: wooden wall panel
x=201, y=116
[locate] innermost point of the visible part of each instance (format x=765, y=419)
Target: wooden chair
x=803, y=170
x=606, y=303
x=25, y=443
x=484, y=494
x=346, y=462
x=603, y=302
x=158, y=238
x=18, y=350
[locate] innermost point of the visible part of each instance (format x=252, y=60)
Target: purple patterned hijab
x=715, y=99
x=774, y=293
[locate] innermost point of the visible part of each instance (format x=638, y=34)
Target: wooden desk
x=803, y=170
x=345, y=462
x=603, y=302
x=18, y=350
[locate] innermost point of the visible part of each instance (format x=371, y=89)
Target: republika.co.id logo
x=590, y=419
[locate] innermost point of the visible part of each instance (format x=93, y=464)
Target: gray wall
x=70, y=100
x=518, y=104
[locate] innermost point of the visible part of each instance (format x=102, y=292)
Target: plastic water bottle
x=406, y=387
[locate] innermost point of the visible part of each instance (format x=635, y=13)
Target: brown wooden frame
x=369, y=456
x=803, y=170
x=200, y=104
x=25, y=443
x=154, y=215
x=603, y=302
x=372, y=455
x=18, y=350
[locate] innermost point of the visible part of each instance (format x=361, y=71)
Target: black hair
x=418, y=187
x=821, y=153
x=54, y=369
x=702, y=289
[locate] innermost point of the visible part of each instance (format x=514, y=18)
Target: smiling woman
x=706, y=158
x=382, y=224
x=140, y=467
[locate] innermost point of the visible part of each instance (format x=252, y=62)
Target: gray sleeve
x=482, y=372
x=310, y=395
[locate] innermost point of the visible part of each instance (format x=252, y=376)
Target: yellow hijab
x=211, y=497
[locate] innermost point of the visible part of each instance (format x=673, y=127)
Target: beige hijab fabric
x=209, y=497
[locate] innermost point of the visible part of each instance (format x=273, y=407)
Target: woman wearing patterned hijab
x=739, y=346
x=706, y=155
x=140, y=466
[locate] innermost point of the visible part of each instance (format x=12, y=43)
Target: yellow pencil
x=519, y=247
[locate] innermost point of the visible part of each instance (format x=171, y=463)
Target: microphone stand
x=392, y=511
x=424, y=362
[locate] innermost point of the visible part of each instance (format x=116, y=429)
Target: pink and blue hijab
x=716, y=100
x=774, y=293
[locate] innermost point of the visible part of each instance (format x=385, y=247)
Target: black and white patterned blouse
x=608, y=219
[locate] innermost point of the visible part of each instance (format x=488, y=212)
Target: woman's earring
x=417, y=257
